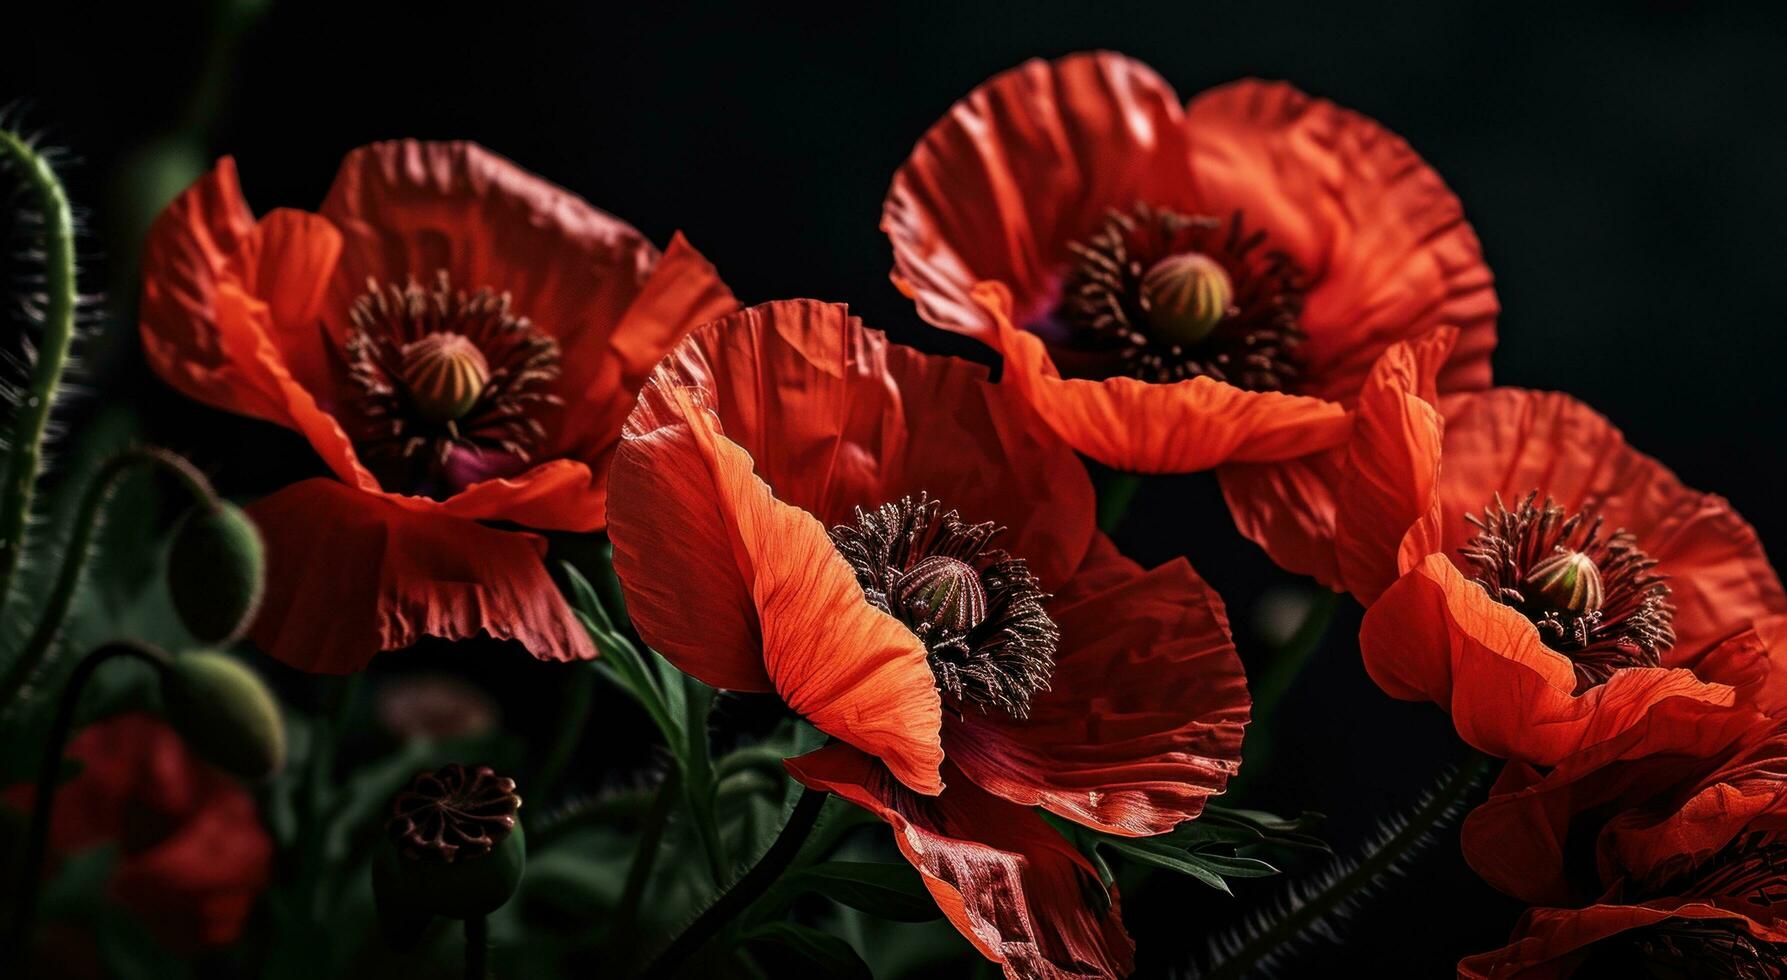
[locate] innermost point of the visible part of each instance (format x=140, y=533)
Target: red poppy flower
x=194, y=856
x=460, y=342
x=1173, y=287
x=959, y=691
x=1697, y=878
x=1679, y=797
x=1525, y=568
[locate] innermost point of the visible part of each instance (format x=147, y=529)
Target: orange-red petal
x=1381, y=238
x=1143, y=719
x=1139, y=427
x=1511, y=441
x=1025, y=164
x=352, y=574
x=1437, y=636
x=1010, y=883
x=836, y=418
x=736, y=587
x=1551, y=943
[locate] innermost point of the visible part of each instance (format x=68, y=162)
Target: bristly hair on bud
x=978, y=610
x=1592, y=595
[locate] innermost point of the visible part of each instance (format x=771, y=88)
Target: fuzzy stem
x=74, y=559
x=1452, y=789
x=18, y=944
x=746, y=890
x=645, y=854
x=58, y=337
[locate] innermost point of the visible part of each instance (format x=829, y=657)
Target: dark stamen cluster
x=505, y=375
x=978, y=610
x=1252, y=346
x=453, y=813
x=1751, y=869
x=1529, y=557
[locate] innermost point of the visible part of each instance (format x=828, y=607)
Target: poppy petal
x=1010, y=883
x=1143, y=719
x=1139, y=427
x=1551, y=943
x=351, y=574
x=1027, y=163
x=1437, y=636
x=716, y=568
x=1383, y=241
x=1511, y=441
x=836, y=418
x=207, y=332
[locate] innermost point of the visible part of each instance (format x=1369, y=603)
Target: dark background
x=1622, y=166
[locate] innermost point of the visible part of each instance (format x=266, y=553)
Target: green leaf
x=1219, y=845
x=888, y=891
x=833, y=957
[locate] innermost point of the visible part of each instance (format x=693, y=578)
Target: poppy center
x=1752, y=869
x=1175, y=296
x=1591, y=594
x=454, y=813
x=978, y=610
x=453, y=385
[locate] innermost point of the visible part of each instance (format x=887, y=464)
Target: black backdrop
x=1622, y=166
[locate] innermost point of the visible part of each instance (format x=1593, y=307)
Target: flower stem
x=746, y=890
x=645, y=854
x=34, y=403
x=579, y=695
x=1383, y=858
x=477, y=946
x=30, y=883
x=1115, y=492
x=79, y=549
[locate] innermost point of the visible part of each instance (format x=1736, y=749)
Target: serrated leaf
x=887, y=891
x=832, y=956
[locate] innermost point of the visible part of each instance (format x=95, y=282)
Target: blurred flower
x=426, y=707
x=194, y=856
x=1180, y=287
x=1525, y=568
x=459, y=341
x=960, y=692
x=1696, y=881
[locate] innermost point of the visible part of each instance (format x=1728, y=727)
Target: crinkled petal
x=836, y=418
x=1511, y=441
x=1435, y=635
x=1144, y=716
x=1027, y=163
x=1551, y=943
x=1381, y=238
x=1140, y=427
x=738, y=588
x=1010, y=883
x=352, y=574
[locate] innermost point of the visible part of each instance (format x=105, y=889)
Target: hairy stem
x=477, y=947
x=748, y=889
x=1375, y=862
x=60, y=298
x=645, y=854
x=18, y=944
x=74, y=558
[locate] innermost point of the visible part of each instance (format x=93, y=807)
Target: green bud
x=225, y=712
x=216, y=571
x=456, y=848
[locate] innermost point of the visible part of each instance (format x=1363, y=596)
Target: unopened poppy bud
x=216, y=570
x=1568, y=581
x=1186, y=296
x=456, y=845
x=225, y=712
x=942, y=592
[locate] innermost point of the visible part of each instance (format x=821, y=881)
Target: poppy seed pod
x=225, y=712
x=216, y=572
x=454, y=848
